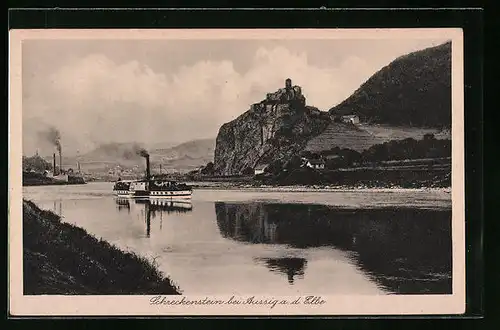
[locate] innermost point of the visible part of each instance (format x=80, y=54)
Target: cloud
x=97, y=100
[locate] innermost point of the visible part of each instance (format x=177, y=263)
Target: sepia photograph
x=191, y=172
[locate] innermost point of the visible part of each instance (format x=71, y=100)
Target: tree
x=275, y=167
x=306, y=154
x=294, y=163
x=315, y=156
x=36, y=163
x=208, y=169
x=248, y=171
x=349, y=156
x=336, y=162
x=408, y=149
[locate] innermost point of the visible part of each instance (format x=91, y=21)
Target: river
x=251, y=242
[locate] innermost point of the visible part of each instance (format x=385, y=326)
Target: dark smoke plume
x=53, y=136
x=134, y=151
x=142, y=152
x=129, y=154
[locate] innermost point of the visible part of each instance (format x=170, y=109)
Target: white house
x=317, y=164
x=353, y=119
x=260, y=169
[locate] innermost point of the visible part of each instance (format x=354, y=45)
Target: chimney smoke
x=144, y=153
x=53, y=136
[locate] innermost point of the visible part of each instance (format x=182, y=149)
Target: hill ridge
x=412, y=90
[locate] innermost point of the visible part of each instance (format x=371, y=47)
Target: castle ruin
x=287, y=94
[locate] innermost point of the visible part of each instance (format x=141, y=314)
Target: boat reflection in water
x=122, y=204
x=154, y=208
x=405, y=251
x=57, y=208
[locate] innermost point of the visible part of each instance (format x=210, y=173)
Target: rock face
x=273, y=129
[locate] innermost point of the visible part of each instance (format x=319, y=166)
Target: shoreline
x=211, y=185
x=38, y=179
x=32, y=184
x=60, y=258
x=316, y=188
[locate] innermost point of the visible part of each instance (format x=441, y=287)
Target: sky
x=171, y=91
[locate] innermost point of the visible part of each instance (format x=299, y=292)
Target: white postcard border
x=45, y=305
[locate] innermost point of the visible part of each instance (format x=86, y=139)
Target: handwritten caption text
x=237, y=301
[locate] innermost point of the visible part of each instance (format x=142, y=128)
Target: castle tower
x=290, y=95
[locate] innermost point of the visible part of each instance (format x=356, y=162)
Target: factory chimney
x=148, y=174
x=60, y=161
x=54, y=160
x=145, y=154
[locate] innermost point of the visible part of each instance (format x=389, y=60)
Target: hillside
x=113, y=151
x=408, y=98
x=343, y=136
x=182, y=157
x=413, y=90
x=189, y=154
x=360, y=137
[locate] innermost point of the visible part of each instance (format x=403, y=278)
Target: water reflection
x=289, y=266
x=403, y=250
x=154, y=208
x=160, y=206
x=123, y=204
x=57, y=208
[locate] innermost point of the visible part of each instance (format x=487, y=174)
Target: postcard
x=236, y=172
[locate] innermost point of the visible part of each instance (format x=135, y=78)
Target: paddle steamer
x=152, y=187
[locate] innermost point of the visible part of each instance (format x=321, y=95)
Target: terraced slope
x=362, y=136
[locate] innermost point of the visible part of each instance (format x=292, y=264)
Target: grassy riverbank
x=316, y=188
x=49, y=183
x=396, y=174
x=365, y=177
x=359, y=179
x=60, y=258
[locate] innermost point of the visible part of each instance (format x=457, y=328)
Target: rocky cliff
x=273, y=129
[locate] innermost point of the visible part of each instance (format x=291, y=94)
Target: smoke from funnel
x=142, y=152
x=53, y=136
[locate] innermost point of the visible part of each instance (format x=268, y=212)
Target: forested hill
x=413, y=90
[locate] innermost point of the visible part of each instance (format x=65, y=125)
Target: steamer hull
x=122, y=193
x=180, y=194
